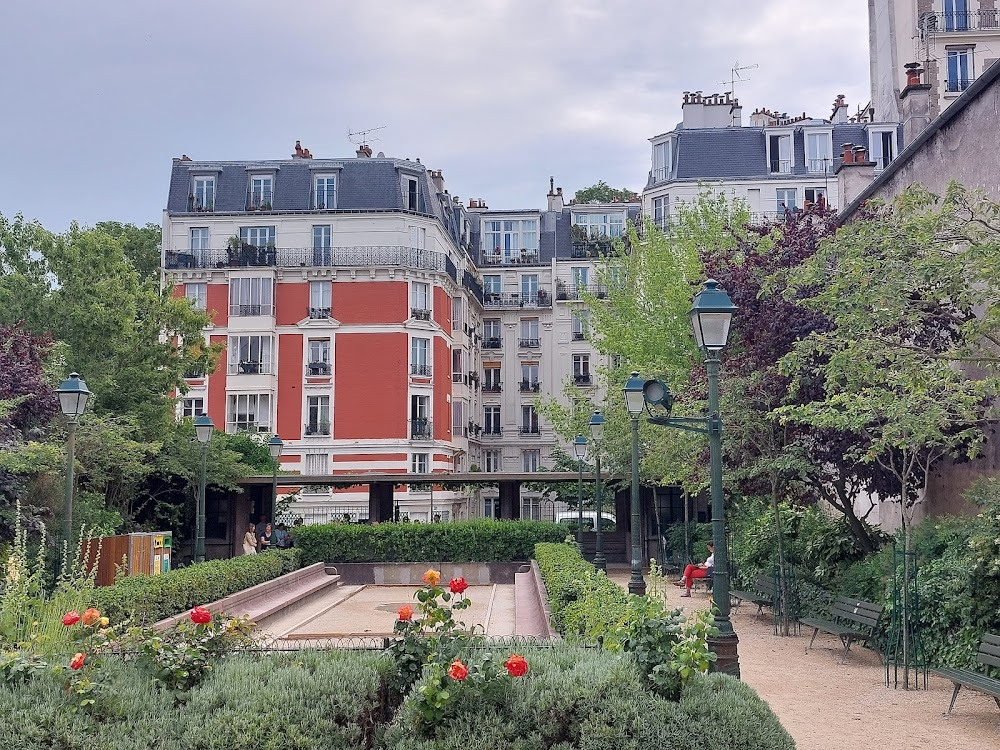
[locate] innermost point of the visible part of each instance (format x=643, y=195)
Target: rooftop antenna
x=735, y=78
x=363, y=137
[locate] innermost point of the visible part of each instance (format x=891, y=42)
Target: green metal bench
x=762, y=594
x=851, y=620
x=988, y=656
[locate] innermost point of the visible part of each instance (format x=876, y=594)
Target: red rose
x=77, y=661
x=201, y=616
x=516, y=666
x=458, y=585
x=71, y=618
x=405, y=613
x=91, y=617
x=458, y=671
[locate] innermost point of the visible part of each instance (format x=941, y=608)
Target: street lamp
x=580, y=450
x=203, y=428
x=275, y=446
x=597, y=436
x=634, y=403
x=710, y=315
x=73, y=399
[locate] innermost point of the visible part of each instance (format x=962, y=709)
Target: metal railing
x=247, y=426
x=661, y=174
x=470, y=282
x=579, y=336
x=319, y=313
x=494, y=342
x=424, y=370
x=971, y=20
x=318, y=368
x=420, y=313
x=528, y=429
x=781, y=166
x=358, y=256
x=582, y=379
x=529, y=343
x=316, y=428
x=493, y=388
x=262, y=201
x=250, y=311
x=493, y=300
x=523, y=259
x=820, y=166
x=492, y=431
x=249, y=367
x=579, y=291
x=956, y=85
x=421, y=429
x=199, y=205
x=324, y=200
x=529, y=386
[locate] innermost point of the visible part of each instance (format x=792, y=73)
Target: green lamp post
x=634, y=404
x=73, y=399
x=580, y=451
x=275, y=446
x=597, y=436
x=203, y=428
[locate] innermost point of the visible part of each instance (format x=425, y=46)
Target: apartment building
x=954, y=41
x=776, y=163
x=349, y=306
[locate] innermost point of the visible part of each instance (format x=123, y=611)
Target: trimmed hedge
x=148, y=599
x=585, y=603
x=458, y=542
x=572, y=698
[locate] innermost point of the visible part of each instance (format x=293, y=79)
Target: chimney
x=365, y=152
x=555, y=196
x=437, y=177
x=712, y=111
x=185, y=157
x=854, y=174
x=916, y=104
x=298, y=150
x=839, y=115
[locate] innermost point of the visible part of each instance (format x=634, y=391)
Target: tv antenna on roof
x=363, y=137
x=735, y=78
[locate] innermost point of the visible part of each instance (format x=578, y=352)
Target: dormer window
x=662, y=161
x=261, y=195
x=510, y=241
x=601, y=226
x=819, y=152
x=882, y=147
x=203, y=194
x=779, y=153
x=411, y=195
x=325, y=192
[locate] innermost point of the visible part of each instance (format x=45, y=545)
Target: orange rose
x=517, y=666
x=432, y=577
x=458, y=671
x=91, y=617
x=405, y=613
x=77, y=661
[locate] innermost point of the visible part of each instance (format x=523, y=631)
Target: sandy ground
x=828, y=706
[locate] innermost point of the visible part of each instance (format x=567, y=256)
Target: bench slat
x=991, y=639
x=989, y=660
x=989, y=648
x=972, y=680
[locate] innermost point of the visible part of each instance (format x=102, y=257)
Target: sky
x=499, y=94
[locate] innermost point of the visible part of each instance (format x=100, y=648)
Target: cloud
x=497, y=93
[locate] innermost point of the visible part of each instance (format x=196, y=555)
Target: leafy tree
x=603, y=193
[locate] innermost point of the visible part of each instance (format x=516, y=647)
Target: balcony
x=958, y=21
x=319, y=313
x=582, y=379
x=957, y=85
x=316, y=429
x=420, y=313
x=578, y=336
x=493, y=342
x=250, y=311
x=421, y=429
x=496, y=300
x=358, y=256
x=318, y=368
x=517, y=258
x=529, y=430
x=456, y=377
x=529, y=386
x=529, y=343
x=250, y=368
x=820, y=166
x=422, y=370
x=247, y=425
x=324, y=200
x=201, y=204
x=571, y=291
x=781, y=166
x=493, y=432
x=259, y=201
x=489, y=387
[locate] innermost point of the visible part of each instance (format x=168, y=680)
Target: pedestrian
x=265, y=539
x=250, y=540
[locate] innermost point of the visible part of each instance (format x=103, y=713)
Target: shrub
x=462, y=541
x=148, y=599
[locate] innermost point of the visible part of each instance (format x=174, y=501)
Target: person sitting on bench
x=703, y=570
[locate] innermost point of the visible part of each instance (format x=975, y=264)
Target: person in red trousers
x=704, y=570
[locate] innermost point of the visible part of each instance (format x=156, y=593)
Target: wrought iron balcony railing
x=529, y=343
x=420, y=313
x=494, y=342
x=521, y=258
x=494, y=300
x=530, y=386
x=319, y=368
x=579, y=291
x=957, y=85
x=492, y=431
x=259, y=201
x=201, y=204
x=260, y=367
x=528, y=429
x=489, y=387
x=424, y=370
x=358, y=256
x=319, y=313
x=421, y=429
x=315, y=429
x=582, y=379
x=972, y=20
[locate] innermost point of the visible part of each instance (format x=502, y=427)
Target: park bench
x=988, y=656
x=762, y=594
x=851, y=620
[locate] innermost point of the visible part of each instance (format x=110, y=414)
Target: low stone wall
x=543, y=599
x=410, y=574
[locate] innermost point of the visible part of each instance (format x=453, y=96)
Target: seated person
x=704, y=570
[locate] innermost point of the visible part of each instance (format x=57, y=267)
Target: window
x=492, y=461
x=779, y=153
x=250, y=355
x=491, y=420
x=491, y=506
x=319, y=356
x=491, y=378
x=320, y=299
x=661, y=161
x=882, y=147
x=420, y=407
x=251, y=296
x=250, y=412
x=816, y=196
x=192, y=407
x=258, y=236
x=529, y=420
x=458, y=426
x=418, y=238
x=457, y=365
x=318, y=414
x=661, y=211
x=316, y=464
x=529, y=332
x=492, y=284
x=419, y=356
x=322, y=244
x=580, y=322
x=456, y=314
x=601, y=225
x=421, y=296
x=198, y=294
x=410, y=194
x=261, y=193
x=785, y=200
x=529, y=288
x=616, y=277
x=819, y=152
x=199, y=246
x=580, y=277
x=531, y=459
x=529, y=377
x=325, y=192
x=581, y=369
x=419, y=464
x=492, y=336
x=959, y=70
x=956, y=15
x=509, y=240
x=203, y=194
x=531, y=508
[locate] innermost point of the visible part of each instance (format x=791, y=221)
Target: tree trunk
x=857, y=527
x=906, y=582
x=783, y=591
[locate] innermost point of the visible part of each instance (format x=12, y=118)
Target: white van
x=570, y=518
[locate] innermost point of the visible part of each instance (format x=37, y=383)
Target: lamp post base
x=600, y=563
x=725, y=648
x=637, y=586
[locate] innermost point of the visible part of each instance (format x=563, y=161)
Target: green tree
x=603, y=193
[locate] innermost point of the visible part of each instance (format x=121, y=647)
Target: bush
x=459, y=542
x=148, y=599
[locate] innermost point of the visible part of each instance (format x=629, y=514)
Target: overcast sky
x=499, y=94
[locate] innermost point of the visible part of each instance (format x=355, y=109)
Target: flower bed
x=462, y=541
